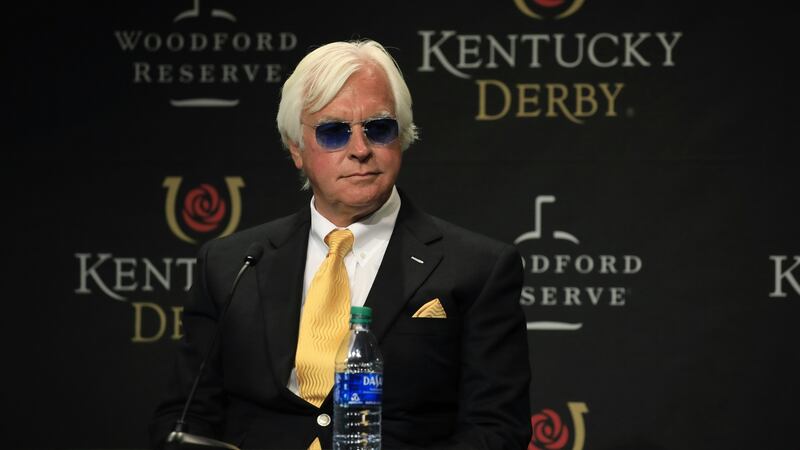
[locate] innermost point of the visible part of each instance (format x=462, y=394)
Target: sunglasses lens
x=381, y=131
x=333, y=135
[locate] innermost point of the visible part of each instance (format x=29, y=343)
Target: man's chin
x=369, y=198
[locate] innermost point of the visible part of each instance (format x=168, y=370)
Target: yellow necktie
x=324, y=322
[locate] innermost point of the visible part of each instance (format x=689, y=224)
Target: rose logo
x=203, y=209
x=548, y=9
x=549, y=433
x=549, y=3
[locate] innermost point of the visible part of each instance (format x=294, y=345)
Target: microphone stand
x=178, y=438
x=188, y=441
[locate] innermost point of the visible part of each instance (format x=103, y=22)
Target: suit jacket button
x=323, y=420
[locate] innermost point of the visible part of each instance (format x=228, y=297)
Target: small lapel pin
x=417, y=260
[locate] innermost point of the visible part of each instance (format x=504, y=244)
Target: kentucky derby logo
x=551, y=433
x=202, y=209
x=548, y=9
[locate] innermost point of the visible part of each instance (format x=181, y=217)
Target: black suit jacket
x=460, y=382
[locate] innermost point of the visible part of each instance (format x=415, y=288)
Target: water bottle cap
x=360, y=314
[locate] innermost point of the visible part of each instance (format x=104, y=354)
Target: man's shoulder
x=453, y=237
x=274, y=231
x=473, y=257
x=464, y=237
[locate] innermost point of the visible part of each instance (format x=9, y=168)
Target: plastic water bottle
x=358, y=387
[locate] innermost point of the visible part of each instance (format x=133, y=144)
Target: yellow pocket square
x=431, y=310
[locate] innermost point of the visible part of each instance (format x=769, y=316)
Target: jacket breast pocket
x=450, y=326
x=422, y=359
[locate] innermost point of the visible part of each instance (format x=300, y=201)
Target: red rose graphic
x=549, y=3
x=203, y=209
x=548, y=431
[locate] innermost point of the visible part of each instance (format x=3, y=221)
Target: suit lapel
x=280, y=286
x=410, y=257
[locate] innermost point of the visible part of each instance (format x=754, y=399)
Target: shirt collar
x=368, y=232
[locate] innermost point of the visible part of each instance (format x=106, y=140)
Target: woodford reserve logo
x=198, y=57
x=566, y=281
x=499, y=64
x=195, y=214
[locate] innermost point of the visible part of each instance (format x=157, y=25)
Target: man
x=445, y=301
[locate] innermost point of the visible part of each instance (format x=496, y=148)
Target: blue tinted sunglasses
x=334, y=136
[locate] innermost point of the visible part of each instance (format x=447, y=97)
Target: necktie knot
x=340, y=241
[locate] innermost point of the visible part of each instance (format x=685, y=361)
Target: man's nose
x=359, y=146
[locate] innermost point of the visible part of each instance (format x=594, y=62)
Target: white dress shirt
x=371, y=237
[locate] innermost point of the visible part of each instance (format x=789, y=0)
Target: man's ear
x=295, y=150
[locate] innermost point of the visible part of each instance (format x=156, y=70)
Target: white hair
x=319, y=77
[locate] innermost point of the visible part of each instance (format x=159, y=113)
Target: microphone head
x=254, y=253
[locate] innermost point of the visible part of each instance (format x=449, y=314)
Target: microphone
x=178, y=437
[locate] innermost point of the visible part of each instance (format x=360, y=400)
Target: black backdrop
x=656, y=138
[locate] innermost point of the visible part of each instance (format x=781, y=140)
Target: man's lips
x=361, y=175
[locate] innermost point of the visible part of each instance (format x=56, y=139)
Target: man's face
x=357, y=179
